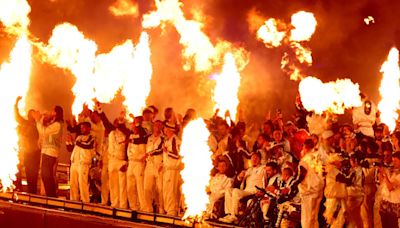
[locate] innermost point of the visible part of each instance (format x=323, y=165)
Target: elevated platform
x=26, y=210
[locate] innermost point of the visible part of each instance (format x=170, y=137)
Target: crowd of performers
x=331, y=173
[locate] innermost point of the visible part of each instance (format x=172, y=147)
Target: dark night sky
x=343, y=46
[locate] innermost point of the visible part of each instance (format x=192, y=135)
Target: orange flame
x=14, y=82
x=196, y=155
x=137, y=85
x=69, y=49
x=275, y=33
x=227, y=88
x=199, y=52
x=333, y=97
x=14, y=15
x=390, y=90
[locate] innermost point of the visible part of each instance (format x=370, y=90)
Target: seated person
x=253, y=177
x=271, y=184
x=219, y=184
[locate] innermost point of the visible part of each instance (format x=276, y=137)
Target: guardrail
x=103, y=211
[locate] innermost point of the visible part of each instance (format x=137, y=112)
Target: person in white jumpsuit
x=172, y=166
x=253, y=176
x=153, y=176
x=81, y=159
x=117, y=165
x=137, y=158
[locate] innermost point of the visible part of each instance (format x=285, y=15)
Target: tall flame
x=69, y=49
x=196, y=155
x=137, y=86
x=227, y=88
x=14, y=82
x=334, y=97
x=199, y=52
x=390, y=90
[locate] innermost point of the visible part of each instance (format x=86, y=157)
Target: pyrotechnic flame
x=196, y=156
x=333, y=97
x=275, y=33
x=390, y=90
x=137, y=85
x=14, y=15
x=112, y=69
x=124, y=8
x=270, y=34
x=14, y=82
x=69, y=49
x=198, y=52
x=227, y=88
x=304, y=24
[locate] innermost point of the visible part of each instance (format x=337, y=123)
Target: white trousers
x=232, y=198
x=105, y=186
x=309, y=210
x=153, y=188
x=331, y=207
x=171, y=196
x=213, y=198
x=79, y=184
x=117, y=180
x=367, y=206
x=135, y=185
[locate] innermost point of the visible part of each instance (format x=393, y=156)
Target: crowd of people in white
x=331, y=173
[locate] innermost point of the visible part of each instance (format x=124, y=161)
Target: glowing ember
x=304, y=26
x=14, y=82
x=124, y=8
x=199, y=53
x=369, y=20
x=69, y=49
x=227, y=88
x=196, y=155
x=334, y=97
x=390, y=90
x=270, y=34
x=137, y=86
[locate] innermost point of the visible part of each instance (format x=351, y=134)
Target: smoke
x=343, y=46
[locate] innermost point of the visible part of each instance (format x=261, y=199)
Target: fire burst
x=334, y=97
x=199, y=52
x=69, y=49
x=390, y=90
x=137, y=86
x=14, y=82
x=196, y=155
x=227, y=88
x=275, y=33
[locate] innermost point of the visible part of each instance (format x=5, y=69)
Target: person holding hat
x=171, y=170
x=81, y=159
